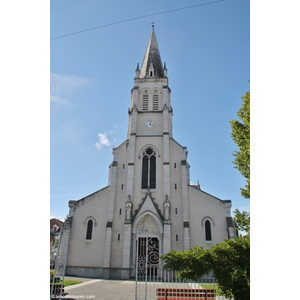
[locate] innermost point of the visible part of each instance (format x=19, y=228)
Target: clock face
x=150, y=124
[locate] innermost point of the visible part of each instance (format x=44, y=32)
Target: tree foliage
x=229, y=260
x=241, y=136
x=242, y=221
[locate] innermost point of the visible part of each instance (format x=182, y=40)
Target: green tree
x=241, y=136
x=229, y=260
x=242, y=221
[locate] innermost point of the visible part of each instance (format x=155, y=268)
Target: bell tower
x=150, y=123
x=150, y=111
x=149, y=134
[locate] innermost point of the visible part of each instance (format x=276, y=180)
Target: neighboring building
x=149, y=190
x=55, y=226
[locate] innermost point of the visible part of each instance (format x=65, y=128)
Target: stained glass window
x=149, y=169
x=89, y=230
x=207, y=230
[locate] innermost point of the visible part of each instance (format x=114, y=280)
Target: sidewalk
x=103, y=289
x=100, y=289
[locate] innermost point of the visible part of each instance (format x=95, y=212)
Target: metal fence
x=161, y=284
x=154, y=283
x=56, y=288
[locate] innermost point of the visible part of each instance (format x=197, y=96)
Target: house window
x=89, y=230
x=149, y=169
x=145, y=100
x=155, y=100
x=176, y=237
x=207, y=230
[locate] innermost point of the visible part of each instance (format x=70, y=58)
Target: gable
x=148, y=205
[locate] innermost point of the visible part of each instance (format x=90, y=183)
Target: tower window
x=145, y=100
x=175, y=186
x=174, y=165
x=176, y=237
x=119, y=236
x=122, y=186
x=176, y=211
x=207, y=231
x=155, y=100
x=149, y=169
x=151, y=70
x=89, y=230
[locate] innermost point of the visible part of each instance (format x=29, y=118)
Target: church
x=149, y=192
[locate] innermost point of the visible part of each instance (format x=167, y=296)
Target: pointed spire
x=152, y=64
x=137, y=71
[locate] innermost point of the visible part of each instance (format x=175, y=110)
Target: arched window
x=89, y=230
x=151, y=70
x=145, y=100
x=155, y=100
x=207, y=230
x=149, y=169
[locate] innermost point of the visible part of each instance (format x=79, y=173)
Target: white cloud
x=103, y=141
x=108, y=138
x=62, y=86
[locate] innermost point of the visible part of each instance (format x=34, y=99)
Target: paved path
x=105, y=289
x=100, y=289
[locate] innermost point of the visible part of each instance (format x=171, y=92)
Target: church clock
x=150, y=124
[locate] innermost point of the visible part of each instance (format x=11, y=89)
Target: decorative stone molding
x=149, y=225
x=90, y=218
x=128, y=209
x=167, y=206
x=72, y=207
x=207, y=218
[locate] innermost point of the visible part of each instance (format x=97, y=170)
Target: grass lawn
x=211, y=286
x=69, y=282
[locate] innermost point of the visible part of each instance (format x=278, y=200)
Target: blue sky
x=207, y=53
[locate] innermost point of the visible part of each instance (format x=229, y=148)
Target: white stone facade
x=179, y=215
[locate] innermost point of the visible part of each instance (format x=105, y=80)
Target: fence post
x=146, y=266
x=136, y=264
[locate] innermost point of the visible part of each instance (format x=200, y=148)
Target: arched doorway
x=147, y=246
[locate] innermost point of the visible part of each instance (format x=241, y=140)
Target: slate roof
x=152, y=55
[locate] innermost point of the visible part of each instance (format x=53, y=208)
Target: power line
x=136, y=18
